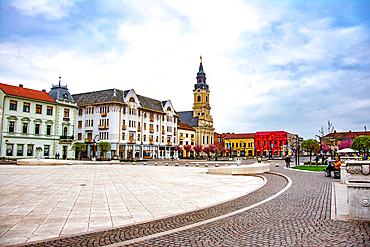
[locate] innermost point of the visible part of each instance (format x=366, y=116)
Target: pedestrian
x=287, y=161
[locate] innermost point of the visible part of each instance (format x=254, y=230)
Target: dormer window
x=65, y=96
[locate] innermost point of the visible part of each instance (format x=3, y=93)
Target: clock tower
x=202, y=109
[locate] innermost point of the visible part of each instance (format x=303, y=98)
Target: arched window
x=206, y=98
x=199, y=98
x=132, y=99
x=65, y=131
x=168, y=108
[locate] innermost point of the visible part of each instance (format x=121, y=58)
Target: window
x=123, y=136
x=79, y=124
x=80, y=112
x=13, y=105
x=37, y=129
x=79, y=136
x=9, y=149
x=66, y=112
x=46, y=150
x=11, y=127
x=48, y=130
x=25, y=128
x=199, y=98
x=49, y=110
x=38, y=109
x=26, y=107
x=30, y=150
x=20, y=150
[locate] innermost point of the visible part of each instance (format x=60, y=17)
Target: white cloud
x=51, y=9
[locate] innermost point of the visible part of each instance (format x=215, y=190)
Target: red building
x=268, y=143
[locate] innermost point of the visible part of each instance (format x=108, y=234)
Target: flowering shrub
x=345, y=144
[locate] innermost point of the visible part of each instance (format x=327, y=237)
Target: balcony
x=151, y=131
x=175, y=133
x=138, y=128
x=66, y=119
x=182, y=137
x=193, y=138
x=169, y=143
x=163, y=132
x=67, y=138
x=151, y=142
x=103, y=114
x=104, y=126
x=151, y=119
x=124, y=127
x=88, y=140
x=131, y=141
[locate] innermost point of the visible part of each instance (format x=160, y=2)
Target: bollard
x=176, y=164
x=216, y=165
x=276, y=165
x=206, y=165
x=197, y=165
x=144, y=164
x=226, y=165
x=155, y=164
x=166, y=164
x=122, y=163
x=186, y=164
x=133, y=163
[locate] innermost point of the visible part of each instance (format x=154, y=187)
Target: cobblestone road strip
x=299, y=217
x=274, y=184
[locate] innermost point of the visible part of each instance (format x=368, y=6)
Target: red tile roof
x=239, y=136
x=25, y=92
x=185, y=126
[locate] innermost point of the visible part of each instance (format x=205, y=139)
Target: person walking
x=287, y=161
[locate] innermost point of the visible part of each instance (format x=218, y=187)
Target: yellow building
x=186, y=138
x=241, y=144
x=200, y=118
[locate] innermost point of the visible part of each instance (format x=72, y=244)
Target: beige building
x=186, y=137
x=200, y=118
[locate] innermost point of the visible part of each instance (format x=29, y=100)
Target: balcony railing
x=131, y=141
x=104, y=126
x=163, y=132
x=151, y=131
x=88, y=140
x=151, y=142
x=66, y=119
x=151, y=119
x=103, y=114
x=138, y=128
x=169, y=143
x=67, y=138
x=124, y=127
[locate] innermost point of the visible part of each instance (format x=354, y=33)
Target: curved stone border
x=275, y=183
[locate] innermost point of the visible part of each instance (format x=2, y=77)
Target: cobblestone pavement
x=298, y=217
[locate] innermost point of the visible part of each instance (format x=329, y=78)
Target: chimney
x=44, y=90
x=21, y=85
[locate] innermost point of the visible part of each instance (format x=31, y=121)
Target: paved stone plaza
x=50, y=201
x=302, y=215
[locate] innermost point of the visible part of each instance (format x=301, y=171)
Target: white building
x=34, y=123
x=136, y=127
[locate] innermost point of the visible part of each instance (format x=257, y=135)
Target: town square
x=165, y=123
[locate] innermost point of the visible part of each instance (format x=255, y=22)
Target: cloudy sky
x=270, y=65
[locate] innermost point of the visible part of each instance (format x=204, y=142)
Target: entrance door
x=65, y=152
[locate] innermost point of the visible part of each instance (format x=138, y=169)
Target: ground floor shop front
x=132, y=152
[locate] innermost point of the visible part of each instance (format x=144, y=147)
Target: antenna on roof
x=114, y=93
x=60, y=80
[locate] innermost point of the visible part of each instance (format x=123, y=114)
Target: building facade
x=186, y=138
x=136, y=127
x=271, y=143
x=241, y=144
x=34, y=124
x=200, y=118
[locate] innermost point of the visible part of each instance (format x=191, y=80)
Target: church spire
x=201, y=77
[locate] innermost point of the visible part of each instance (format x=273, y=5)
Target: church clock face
x=198, y=90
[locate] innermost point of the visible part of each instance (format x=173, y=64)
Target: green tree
x=79, y=147
x=104, y=147
x=361, y=144
x=310, y=146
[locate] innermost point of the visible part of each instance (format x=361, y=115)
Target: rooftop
x=20, y=91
